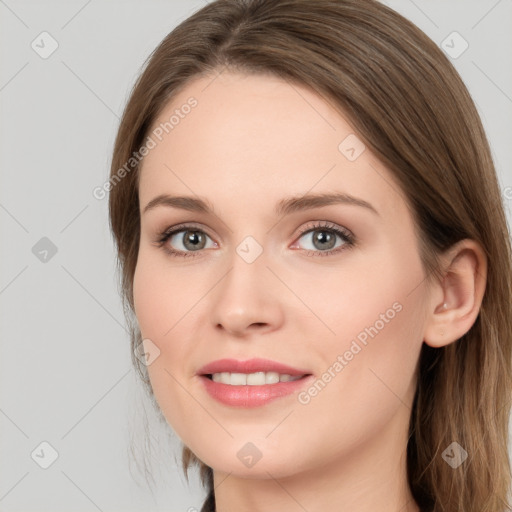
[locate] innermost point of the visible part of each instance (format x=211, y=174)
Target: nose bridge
x=246, y=295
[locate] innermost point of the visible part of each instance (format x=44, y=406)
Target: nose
x=248, y=299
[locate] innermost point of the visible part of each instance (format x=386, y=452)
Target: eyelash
x=347, y=237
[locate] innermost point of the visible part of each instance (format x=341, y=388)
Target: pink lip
x=250, y=396
x=249, y=366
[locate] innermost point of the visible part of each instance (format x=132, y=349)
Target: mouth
x=248, y=390
x=253, y=382
x=253, y=379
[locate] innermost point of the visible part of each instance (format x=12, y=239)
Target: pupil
x=194, y=238
x=325, y=239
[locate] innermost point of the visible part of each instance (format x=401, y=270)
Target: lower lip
x=252, y=396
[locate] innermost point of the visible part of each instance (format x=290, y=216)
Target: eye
x=187, y=240
x=321, y=239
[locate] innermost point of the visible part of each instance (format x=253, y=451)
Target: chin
x=255, y=463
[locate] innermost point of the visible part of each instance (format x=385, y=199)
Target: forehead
x=257, y=137
x=243, y=112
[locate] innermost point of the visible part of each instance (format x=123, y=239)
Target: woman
x=260, y=136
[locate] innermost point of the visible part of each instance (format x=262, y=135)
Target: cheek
x=159, y=304
x=164, y=301
x=155, y=302
x=158, y=296
x=375, y=317
x=369, y=372
x=380, y=334
x=369, y=296
x=147, y=297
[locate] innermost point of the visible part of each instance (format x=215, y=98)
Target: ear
x=455, y=302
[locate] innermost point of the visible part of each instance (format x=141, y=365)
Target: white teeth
x=255, y=379
x=238, y=379
x=252, y=379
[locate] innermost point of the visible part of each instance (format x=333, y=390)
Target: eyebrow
x=284, y=207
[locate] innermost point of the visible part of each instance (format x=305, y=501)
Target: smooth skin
x=251, y=141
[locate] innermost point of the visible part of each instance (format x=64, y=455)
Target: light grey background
x=65, y=370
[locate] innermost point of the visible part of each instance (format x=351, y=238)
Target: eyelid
x=183, y=226
x=302, y=231
x=325, y=224
x=345, y=234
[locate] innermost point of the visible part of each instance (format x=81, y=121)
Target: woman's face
x=266, y=276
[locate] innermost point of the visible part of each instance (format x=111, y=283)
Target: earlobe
x=455, y=302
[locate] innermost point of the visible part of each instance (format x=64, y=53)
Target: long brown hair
x=408, y=104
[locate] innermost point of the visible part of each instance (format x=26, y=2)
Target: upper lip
x=249, y=366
